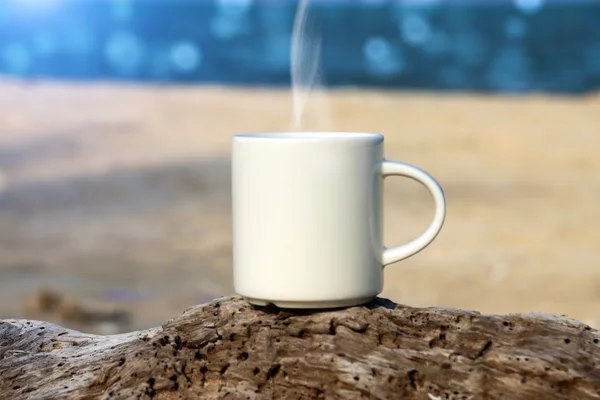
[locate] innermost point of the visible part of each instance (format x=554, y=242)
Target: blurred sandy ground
x=118, y=198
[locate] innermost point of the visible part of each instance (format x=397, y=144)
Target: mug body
x=307, y=218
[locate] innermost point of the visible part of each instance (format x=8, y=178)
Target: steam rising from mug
x=306, y=74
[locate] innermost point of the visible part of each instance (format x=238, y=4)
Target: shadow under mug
x=307, y=217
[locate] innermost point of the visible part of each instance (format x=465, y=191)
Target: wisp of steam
x=306, y=74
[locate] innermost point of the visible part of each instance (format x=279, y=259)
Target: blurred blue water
x=501, y=45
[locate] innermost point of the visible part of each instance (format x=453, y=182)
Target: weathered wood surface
x=228, y=349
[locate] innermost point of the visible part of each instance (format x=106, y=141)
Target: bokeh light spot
x=185, y=56
x=382, y=58
x=124, y=52
x=234, y=8
x=415, y=29
x=529, y=6
x=377, y=49
x=225, y=27
x=122, y=10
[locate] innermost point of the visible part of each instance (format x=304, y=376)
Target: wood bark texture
x=228, y=349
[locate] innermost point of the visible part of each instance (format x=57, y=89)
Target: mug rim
x=312, y=136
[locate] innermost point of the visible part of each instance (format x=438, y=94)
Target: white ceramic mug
x=307, y=218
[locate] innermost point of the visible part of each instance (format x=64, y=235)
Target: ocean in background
x=497, y=46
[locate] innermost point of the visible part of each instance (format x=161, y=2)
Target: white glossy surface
x=395, y=254
x=307, y=218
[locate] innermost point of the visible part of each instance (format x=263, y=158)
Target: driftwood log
x=228, y=349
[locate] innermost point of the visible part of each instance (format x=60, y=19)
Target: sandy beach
x=117, y=197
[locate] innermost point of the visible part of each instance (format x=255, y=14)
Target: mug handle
x=394, y=254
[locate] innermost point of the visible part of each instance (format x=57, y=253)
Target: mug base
x=310, y=304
